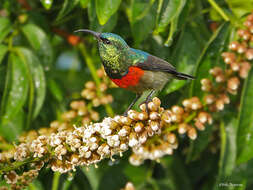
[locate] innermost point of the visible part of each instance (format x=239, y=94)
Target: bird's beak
x=95, y=34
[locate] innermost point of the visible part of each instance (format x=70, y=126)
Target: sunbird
x=133, y=69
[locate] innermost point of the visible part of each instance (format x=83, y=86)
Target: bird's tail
x=182, y=76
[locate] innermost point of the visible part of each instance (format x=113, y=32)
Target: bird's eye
x=105, y=41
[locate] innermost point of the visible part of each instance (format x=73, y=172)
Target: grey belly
x=151, y=81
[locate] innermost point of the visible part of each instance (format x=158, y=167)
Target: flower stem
x=190, y=117
x=89, y=63
x=219, y=9
x=56, y=180
x=92, y=69
x=17, y=164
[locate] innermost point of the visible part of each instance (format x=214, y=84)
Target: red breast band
x=131, y=78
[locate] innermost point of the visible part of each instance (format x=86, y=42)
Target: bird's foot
x=125, y=113
x=148, y=99
x=131, y=105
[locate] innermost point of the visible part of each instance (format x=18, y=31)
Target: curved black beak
x=95, y=34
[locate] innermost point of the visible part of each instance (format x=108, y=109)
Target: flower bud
x=138, y=127
x=96, y=102
x=209, y=99
x=219, y=104
x=152, y=106
x=182, y=128
x=249, y=54
x=156, y=101
x=142, y=116
x=247, y=23
x=82, y=111
x=177, y=110
x=186, y=103
x=133, y=139
x=74, y=159
x=100, y=73
x=166, y=116
x=235, y=66
x=202, y=117
x=125, y=120
x=129, y=186
x=220, y=78
x=154, y=116
x=233, y=83
x=225, y=98
x=90, y=85
x=192, y=133
x=171, y=138
x=154, y=125
x=68, y=115
x=132, y=114
x=228, y=57
x=200, y=126
x=77, y=104
x=241, y=48
x=233, y=45
x=143, y=107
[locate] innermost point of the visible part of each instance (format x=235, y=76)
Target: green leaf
x=173, y=10
x=208, y=59
x=68, y=6
x=240, y=7
x=140, y=174
x=94, y=23
x=36, y=185
x=198, y=145
x=14, y=128
x=3, y=51
x=105, y=9
x=55, y=90
x=47, y=4
x=2, y=77
x=94, y=176
x=185, y=56
x=39, y=42
x=5, y=27
x=112, y=181
x=84, y=3
x=38, y=79
x=227, y=164
x=143, y=27
x=175, y=171
x=138, y=10
x=245, y=127
x=15, y=92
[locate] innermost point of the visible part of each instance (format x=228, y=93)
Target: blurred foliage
x=42, y=68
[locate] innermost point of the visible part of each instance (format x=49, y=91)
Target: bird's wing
x=153, y=63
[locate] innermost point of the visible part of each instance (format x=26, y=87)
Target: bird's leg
x=133, y=102
x=148, y=99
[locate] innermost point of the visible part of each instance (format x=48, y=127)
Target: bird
x=133, y=69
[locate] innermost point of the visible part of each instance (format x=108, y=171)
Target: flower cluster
x=168, y=123
x=89, y=144
x=97, y=93
x=195, y=113
x=21, y=181
x=151, y=135
x=227, y=81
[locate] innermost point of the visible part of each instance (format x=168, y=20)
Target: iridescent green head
x=112, y=49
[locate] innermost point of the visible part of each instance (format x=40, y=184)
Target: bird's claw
x=146, y=104
x=125, y=113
